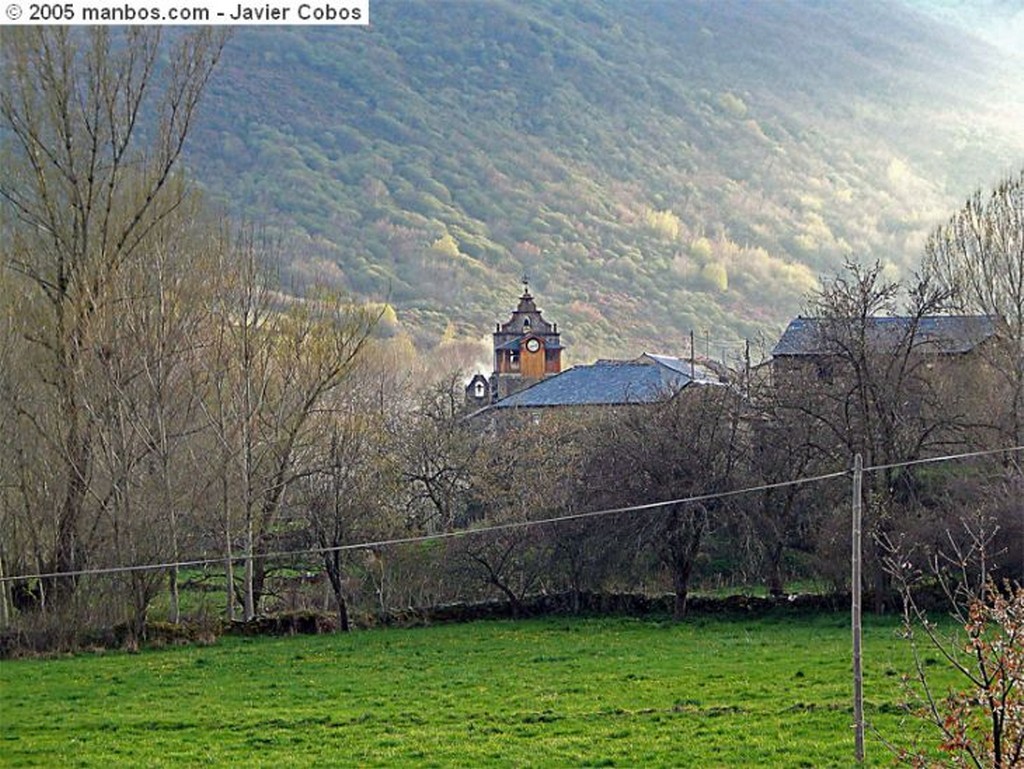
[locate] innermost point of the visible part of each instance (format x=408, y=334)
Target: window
x=513, y=360
x=825, y=372
x=479, y=390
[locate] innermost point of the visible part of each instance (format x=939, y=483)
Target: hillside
x=1000, y=22
x=654, y=167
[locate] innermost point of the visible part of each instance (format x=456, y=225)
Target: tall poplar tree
x=95, y=122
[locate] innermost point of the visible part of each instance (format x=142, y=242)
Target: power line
x=511, y=525
x=946, y=458
x=459, y=533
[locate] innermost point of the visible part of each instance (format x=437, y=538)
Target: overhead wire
x=492, y=528
x=946, y=458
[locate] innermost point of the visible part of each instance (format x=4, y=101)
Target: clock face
x=533, y=345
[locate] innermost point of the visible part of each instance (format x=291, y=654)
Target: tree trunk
x=683, y=543
x=249, y=599
x=513, y=600
x=61, y=589
x=175, y=609
x=880, y=587
x=332, y=566
x=681, y=585
x=137, y=626
x=229, y=563
x=259, y=579
x=5, y=591
x=175, y=612
x=776, y=586
x=66, y=546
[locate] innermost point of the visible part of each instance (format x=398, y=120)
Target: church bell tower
x=526, y=348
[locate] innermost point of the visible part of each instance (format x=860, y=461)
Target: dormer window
x=479, y=390
x=526, y=325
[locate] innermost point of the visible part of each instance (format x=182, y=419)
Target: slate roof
x=937, y=334
x=647, y=379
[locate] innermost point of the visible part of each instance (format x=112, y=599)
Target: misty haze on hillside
x=656, y=168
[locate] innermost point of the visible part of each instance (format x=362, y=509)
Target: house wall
x=962, y=392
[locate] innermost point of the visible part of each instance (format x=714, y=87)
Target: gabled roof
x=647, y=379
x=935, y=334
x=526, y=319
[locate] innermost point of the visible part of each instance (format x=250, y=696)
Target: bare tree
x=157, y=337
x=231, y=382
x=279, y=361
x=439, y=454
x=9, y=342
x=981, y=724
x=689, y=445
x=351, y=493
x=978, y=257
x=529, y=471
x=782, y=450
x=87, y=187
x=870, y=389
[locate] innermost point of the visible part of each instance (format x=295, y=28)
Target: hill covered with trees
x=655, y=168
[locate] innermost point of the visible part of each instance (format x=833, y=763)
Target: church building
x=527, y=349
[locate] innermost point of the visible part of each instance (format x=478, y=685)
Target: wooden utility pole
x=4, y=609
x=855, y=602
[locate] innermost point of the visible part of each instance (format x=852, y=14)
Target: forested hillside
x=655, y=167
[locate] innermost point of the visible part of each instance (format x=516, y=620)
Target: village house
x=812, y=348
x=951, y=366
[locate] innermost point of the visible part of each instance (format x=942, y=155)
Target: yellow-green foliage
x=517, y=139
x=664, y=224
x=701, y=250
x=445, y=245
x=716, y=275
x=811, y=202
x=899, y=174
x=388, y=318
x=732, y=104
x=806, y=243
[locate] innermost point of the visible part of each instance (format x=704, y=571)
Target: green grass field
x=552, y=692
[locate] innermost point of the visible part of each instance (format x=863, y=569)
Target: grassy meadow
x=549, y=692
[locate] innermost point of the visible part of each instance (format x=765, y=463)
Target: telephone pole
x=855, y=610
